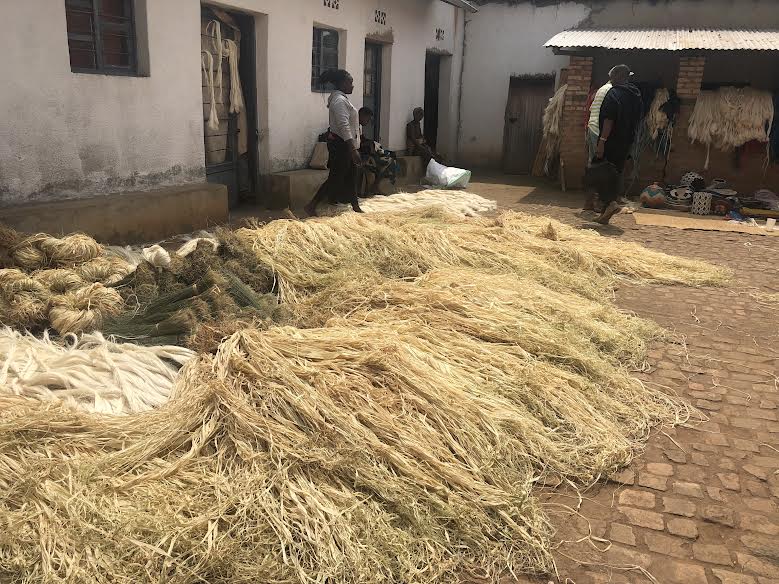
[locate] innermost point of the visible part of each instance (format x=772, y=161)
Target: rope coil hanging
x=222, y=48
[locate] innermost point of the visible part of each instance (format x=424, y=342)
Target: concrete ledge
x=411, y=170
x=295, y=188
x=124, y=218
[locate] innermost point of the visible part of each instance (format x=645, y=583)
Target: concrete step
x=124, y=218
x=295, y=188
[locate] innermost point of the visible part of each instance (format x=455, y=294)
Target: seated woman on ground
x=375, y=160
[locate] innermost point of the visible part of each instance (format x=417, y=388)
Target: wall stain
x=99, y=184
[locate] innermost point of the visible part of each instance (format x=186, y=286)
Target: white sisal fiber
x=214, y=30
x=236, y=93
x=192, y=244
x=157, y=256
x=730, y=117
x=459, y=203
x=89, y=372
x=207, y=64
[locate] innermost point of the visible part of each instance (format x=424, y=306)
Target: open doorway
x=432, y=94
x=372, y=89
x=229, y=115
x=523, y=132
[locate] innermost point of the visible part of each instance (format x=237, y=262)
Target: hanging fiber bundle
x=236, y=93
x=207, y=65
x=656, y=119
x=730, y=117
x=84, y=309
x=89, y=373
x=553, y=115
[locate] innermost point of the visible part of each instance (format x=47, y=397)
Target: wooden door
x=524, y=122
x=432, y=85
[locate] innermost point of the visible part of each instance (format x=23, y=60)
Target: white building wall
x=502, y=41
x=67, y=134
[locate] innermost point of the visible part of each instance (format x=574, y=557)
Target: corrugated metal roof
x=668, y=39
x=462, y=4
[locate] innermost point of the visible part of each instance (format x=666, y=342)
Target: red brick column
x=686, y=156
x=573, y=150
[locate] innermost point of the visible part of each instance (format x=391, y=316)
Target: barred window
x=101, y=36
x=324, y=56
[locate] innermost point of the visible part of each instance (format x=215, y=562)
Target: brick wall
x=573, y=149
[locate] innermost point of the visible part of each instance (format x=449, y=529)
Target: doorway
x=371, y=97
x=231, y=139
x=432, y=93
x=528, y=97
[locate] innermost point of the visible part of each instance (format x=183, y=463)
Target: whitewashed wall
x=65, y=134
x=502, y=41
x=69, y=134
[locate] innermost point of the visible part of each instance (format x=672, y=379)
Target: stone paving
x=701, y=504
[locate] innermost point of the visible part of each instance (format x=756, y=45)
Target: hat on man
x=620, y=73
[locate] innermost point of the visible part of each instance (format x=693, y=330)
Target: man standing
x=593, y=133
x=620, y=114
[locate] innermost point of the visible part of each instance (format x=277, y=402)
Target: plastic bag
x=447, y=176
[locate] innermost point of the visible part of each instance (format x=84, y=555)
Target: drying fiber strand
x=88, y=372
x=439, y=369
x=458, y=203
x=308, y=256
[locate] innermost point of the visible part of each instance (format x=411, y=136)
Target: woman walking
x=343, y=145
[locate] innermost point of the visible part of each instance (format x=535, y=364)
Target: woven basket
x=701, y=204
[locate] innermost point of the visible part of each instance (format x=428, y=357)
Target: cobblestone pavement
x=701, y=504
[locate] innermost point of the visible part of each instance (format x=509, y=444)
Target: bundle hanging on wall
x=730, y=117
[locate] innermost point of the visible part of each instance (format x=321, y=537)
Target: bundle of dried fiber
x=84, y=309
x=88, y=372
x=361, y=452
x=42, y=251
x=23, y=300
x=59, y=280
x=656, y=119
x=310, y=256
x=105, y=270
x=553, y=115
x=174, y=316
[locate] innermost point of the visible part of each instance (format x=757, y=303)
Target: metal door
x=524, y=122
x=372, y=89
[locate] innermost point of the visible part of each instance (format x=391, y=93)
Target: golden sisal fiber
x=84, y=309
x=312, y=255
x=41, y=251
x=438, y=370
